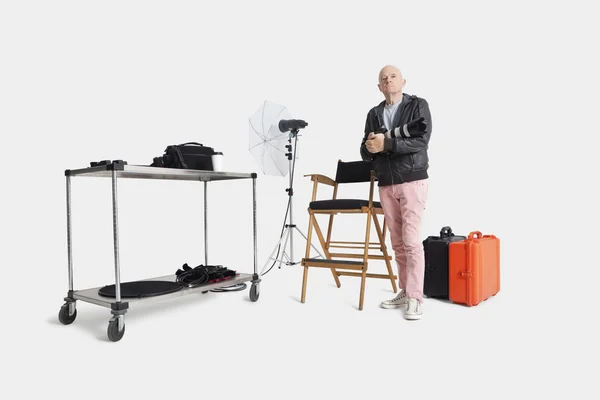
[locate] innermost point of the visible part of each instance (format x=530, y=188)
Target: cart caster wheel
x=254, y=292
x=204, y=291
x=63, y=315
x=113, y=330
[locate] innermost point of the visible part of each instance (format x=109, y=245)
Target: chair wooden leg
x=381, y=237
x=307, y=255
x=309, y=235
x=323, y=245
x=304, y=279
x=329, y=229
x=363, y=280
x=366, y=262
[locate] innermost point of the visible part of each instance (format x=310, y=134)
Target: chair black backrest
x=353, y=171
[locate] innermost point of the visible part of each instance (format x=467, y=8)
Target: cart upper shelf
x=147, y=172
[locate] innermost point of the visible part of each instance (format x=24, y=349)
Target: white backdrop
x=512, y=91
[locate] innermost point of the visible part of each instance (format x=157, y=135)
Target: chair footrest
x=358, y=274
x=326, y=261
x=335, y=264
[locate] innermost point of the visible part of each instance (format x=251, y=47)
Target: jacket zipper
x=400, y=111
x=387, y=155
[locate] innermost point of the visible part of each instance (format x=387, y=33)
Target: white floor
x=221, y=344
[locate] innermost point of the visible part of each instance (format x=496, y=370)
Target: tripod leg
x=291, y=239
x=287, y=236
x=284, y=236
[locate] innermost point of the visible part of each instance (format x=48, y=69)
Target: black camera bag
x=190, y=155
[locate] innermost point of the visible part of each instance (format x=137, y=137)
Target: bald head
x=389, y=69
x=391, y=83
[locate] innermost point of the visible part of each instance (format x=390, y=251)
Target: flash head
x=291, y=125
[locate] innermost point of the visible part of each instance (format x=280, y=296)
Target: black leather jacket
x=403, y=159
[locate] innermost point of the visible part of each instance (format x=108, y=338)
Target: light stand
x=289, y=228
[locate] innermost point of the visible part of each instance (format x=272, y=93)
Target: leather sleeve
x=410, y=145
x=364, y=153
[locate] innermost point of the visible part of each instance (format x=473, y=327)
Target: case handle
x=196, y=143
x=475, y=235
x=446, y=231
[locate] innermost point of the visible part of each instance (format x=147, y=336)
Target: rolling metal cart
x=118, y=308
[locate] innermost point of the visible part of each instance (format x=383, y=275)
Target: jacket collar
x=406, y=98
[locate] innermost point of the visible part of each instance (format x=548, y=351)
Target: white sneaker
x=398, y=301
x=414, y=309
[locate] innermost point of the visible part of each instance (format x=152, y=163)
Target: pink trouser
x=403, y=206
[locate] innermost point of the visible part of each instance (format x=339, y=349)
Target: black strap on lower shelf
x=202, y=274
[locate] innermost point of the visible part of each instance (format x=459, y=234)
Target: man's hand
x=374, y=143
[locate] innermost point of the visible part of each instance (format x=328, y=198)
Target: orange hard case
x=474, y=269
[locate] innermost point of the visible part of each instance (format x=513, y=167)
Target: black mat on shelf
x=141, y=289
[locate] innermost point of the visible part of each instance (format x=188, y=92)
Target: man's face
x=390, y=80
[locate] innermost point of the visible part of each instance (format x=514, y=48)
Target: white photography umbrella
x=271, y=133
x=267, y=143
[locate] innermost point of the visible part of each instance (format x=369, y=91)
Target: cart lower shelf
x=92, y=296
x=116, y=325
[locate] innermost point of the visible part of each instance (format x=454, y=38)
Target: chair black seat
x=342, y=204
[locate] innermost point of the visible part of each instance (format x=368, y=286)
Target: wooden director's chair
x=347, y=172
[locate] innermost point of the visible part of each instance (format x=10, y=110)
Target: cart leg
x=69, y=239
x=68, y=312
x=205, y=223
x=116, y=237
x=116, y=325
x=255, y=288
x=254, y=224
x=205, y=227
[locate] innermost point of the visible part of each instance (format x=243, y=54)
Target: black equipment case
x=190, y=155
x=435, y=283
